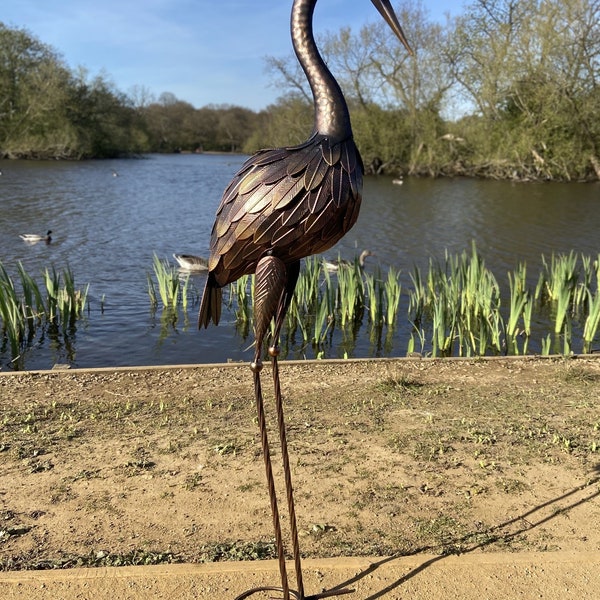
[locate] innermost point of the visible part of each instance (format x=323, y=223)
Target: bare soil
x=404, y=457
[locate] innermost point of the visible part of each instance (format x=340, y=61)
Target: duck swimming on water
x=190, y=262
x=34, y=238
x=333, y=265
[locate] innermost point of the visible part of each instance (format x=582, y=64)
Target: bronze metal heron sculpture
x=282, y=205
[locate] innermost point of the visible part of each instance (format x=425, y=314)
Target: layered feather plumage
x=286, y=202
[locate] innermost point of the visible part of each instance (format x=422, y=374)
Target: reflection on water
x=108, y=228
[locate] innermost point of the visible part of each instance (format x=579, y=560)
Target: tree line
x=509, y=89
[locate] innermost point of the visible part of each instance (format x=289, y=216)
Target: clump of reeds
x=569, y=292
x=26, y=307
x=350, y=293
x=324, y=301
x=173, y=288
x=591, y=302
x=460, y=301
x=457, y=308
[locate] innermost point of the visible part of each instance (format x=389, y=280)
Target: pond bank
x=389, y=457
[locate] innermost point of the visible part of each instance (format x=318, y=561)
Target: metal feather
x=315, y=171
x=331, y=154
x=290, y=197
x=301, y=157
x=251, y=181
x=319, y=197
x=263, y=234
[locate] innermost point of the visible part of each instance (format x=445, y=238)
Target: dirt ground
x=463, y=468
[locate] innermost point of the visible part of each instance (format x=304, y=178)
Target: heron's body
x=290, y=203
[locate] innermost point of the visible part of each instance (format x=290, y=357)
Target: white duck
x=34, y=238
x=190, y=262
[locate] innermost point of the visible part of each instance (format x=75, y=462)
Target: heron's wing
x=283, y=199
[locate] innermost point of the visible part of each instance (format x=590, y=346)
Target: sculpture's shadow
x=471, y=541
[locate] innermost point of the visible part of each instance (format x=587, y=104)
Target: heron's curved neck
x=331, y=111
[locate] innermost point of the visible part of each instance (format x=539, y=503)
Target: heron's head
x=387, y=12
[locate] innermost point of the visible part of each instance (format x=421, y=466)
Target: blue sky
x=203, y=51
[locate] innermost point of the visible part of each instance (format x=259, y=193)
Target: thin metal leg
x=271, y=484
x=274, y=286
x=287, y=472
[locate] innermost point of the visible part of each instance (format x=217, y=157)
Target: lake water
x=107, y=229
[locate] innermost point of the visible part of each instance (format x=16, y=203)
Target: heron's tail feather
x=210, y=307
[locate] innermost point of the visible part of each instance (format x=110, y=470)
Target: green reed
x=374, y=295
x=351, y=293
x=27, y=308
x=520, y=310
x=322, y=320
x=168, y=282
x=590, y=312
x=416, y=333
x=418, y=298
x=546, y=345
x=393, y=293
x=12, y=313
x=444, y=327
x=240, y=294
x=592, y=320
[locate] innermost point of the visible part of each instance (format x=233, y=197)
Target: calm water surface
x=108, y=228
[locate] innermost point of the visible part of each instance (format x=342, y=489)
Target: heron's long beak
x=387, y=12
